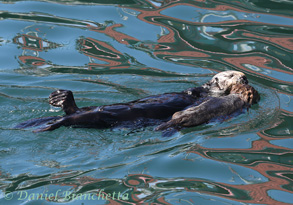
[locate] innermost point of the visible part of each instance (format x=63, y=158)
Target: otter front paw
x=63, y=99
x=59, y=97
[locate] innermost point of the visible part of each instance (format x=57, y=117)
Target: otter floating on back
x=241, y=96
x=224, y=94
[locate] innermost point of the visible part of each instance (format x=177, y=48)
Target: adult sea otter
x=241, y=96
x=226, y=91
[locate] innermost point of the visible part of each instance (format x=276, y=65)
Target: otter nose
x=244, y=80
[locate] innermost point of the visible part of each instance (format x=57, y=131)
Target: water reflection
x=102, y=51
x=32, y=45
x=142, y=188
x=157, y=46
x=223, y=41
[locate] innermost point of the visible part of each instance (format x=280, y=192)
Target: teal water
x=117, y=51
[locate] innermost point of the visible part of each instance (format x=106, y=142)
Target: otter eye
x=231, y=76
x=216, y=79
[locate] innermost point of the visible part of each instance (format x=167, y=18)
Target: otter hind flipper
x=37, y=122
x=50, y=126
x=63, y=99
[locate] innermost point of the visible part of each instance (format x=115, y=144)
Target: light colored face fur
x=223, y=81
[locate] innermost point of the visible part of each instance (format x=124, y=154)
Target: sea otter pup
x=158, y=108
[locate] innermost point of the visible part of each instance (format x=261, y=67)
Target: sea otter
x=157, y=109
x=241, y=96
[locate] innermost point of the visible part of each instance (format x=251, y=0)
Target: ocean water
x=109, y=51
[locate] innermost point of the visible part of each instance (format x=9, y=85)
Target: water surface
x=117, y=51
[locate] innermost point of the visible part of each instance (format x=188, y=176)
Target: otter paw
x=59, y=98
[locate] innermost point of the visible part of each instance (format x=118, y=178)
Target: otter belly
x=155, y=107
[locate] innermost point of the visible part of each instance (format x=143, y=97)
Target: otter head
x=222, y=82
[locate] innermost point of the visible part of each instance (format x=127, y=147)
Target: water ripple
x=118, y=51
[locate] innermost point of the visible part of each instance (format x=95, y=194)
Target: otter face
x=223, y=81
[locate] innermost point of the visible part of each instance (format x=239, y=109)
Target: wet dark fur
x=154, y=107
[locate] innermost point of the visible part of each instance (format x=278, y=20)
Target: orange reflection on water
x=259, y=61
x=282, y=42
x=31, y=42
x=101, y=51
x=110, y=31
x=267, y=159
